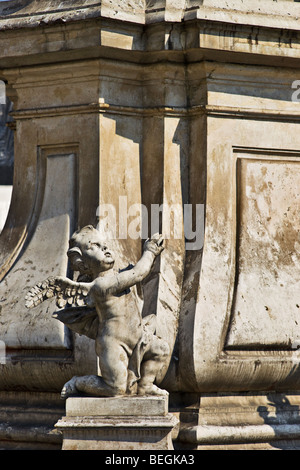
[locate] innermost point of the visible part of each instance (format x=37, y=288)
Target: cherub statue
x=106, y=305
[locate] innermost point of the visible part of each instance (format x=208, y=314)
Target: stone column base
x=118, y=423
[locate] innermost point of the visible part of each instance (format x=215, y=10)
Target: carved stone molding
x=120, y=423
x=238, y=421
x=223, y=334
x=27, y=13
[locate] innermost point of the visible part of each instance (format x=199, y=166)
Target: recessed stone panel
x=265, y=309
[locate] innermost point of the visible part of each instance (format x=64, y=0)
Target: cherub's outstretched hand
x=154, y=244
x=67, y=292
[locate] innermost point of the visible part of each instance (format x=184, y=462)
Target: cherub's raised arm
x=66, y=291
x=128, y=278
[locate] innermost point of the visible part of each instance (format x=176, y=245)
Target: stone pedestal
x=122, y=423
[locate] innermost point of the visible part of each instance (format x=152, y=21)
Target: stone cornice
x=15, y=14
x=193, y=41
x=209, y=110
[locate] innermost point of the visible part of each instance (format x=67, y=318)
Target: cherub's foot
x=69, y=389
x=151, y=390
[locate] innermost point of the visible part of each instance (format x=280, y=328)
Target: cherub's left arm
x=130, y=277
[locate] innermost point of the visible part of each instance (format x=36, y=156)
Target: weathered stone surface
x=25, y=13
x=117, y=406
x=134, y=423
x=28, y=419
x=241, y=421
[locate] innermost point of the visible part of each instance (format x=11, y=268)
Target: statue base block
x=117, y=423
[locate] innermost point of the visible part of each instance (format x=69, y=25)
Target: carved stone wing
x=67, y=293
x=82, y=320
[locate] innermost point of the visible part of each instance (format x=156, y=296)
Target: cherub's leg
x=113, y=381
x=69, y=389
x=88, y=384
x=113, y=361
x=153, y=360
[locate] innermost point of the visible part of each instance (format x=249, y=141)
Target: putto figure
x=107, y=306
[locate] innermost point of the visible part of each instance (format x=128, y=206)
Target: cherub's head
x=88, y=253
